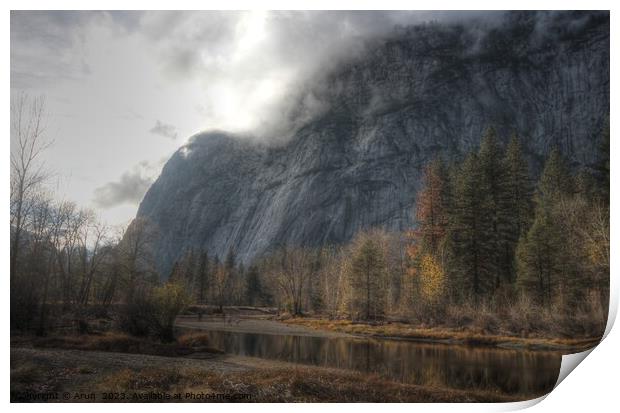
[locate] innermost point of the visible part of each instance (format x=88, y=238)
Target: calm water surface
x=519, y=372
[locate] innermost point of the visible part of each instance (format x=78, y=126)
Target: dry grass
x=151, y=379
x=287, y=385
x=194, y=339
x=26, y=374
x=477, y=336
x=120, y=343
x=264, y=381
x=31, y=378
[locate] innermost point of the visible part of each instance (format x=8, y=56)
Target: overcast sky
x=124, y=90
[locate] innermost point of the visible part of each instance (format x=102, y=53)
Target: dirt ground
x=39, y=371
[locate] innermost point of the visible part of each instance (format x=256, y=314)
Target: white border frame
x=591, y=387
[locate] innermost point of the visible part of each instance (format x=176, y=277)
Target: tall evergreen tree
x=183, y=271
x=548, y=256
x=471, y=247
x=519, y=186
x=602, y=166
x=175, y=272
x=586, y=185
x=220, y=278
x=230, y=264
x=254, y=287
x=494, y=176
x=367, y=273
x=231, y=260
x=519, y=206
x=555, y=179
x=189, y=271
x=232, y=277
x=539, y=269
x=203, y=277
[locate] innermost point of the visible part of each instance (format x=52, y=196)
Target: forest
x=495, y=247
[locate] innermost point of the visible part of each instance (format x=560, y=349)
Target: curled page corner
x=569, y=362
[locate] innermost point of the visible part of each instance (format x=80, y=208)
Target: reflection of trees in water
x=460, y=367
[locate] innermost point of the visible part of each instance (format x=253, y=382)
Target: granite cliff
x=425, y=90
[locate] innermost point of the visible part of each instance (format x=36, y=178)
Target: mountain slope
x=426, y=90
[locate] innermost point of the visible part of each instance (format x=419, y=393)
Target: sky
x=124, y=90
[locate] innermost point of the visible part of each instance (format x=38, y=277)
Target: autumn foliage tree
x=431, y=209
x=425, y=277
x=432, y=279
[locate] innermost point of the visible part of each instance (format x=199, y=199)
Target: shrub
x=168, y=302
x=152, y=312
x=136, y=316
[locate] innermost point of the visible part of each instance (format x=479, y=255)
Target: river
x=515, y=372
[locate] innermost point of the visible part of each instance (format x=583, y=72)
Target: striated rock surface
x=426, y=90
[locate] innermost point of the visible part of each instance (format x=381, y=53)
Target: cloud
x=249, y=72
x=48, y=46
x=165, y=130
x=128, y=189
x=258, y=70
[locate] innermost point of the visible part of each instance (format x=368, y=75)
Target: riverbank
x=94, y=376
x=403, y=331
x=115, y=362
x=254, y=325
x=320, y=327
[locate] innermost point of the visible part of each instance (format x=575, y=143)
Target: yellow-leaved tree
x=432, y=279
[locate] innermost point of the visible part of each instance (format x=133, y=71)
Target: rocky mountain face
x=426, y=90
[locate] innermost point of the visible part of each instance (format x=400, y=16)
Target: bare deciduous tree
x=291, y=270
x=135, y=253
x=27, y=171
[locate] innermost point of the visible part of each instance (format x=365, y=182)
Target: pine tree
x=254, y=288
x=220, y=286
x=548, y=256
x=602, y=166
x=183, y=271
x=470, y=241
x=555, y=179
x=203, y=276
x=519, y=186
x=189, y=271
x=586, y=185
x=367, y=273
x=230, y=267
x=494, y=177
x=214, y=278
x=538, y=258
x=519, y=207
x=231, y=260
x=175, y=272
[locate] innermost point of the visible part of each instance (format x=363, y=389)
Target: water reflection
x=461, y=367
